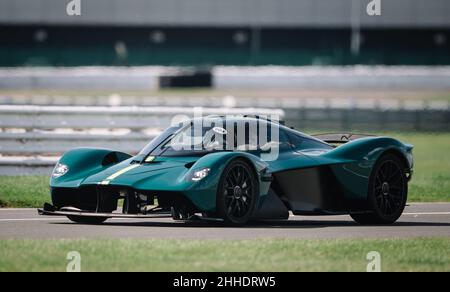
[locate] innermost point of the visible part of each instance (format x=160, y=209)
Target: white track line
x=18, y=209
x=59, y=218
x=425, y=204
x=429, y=213
x=31, y=219
x=292, y=216
x=407, y=214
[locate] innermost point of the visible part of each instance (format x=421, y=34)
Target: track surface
x=419, y=220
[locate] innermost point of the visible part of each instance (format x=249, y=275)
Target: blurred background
x=116, y=75
x=232, y=32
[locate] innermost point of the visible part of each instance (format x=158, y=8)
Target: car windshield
x=159, y=139
x=198, y=139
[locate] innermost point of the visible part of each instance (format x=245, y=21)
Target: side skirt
x=271, y=209
x=311, y=191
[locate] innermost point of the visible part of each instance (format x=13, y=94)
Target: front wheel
x=237, y=193
x=87, y=220
x=388, y=192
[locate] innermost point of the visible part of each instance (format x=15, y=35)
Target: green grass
x=26, y=191
x=212, y=255
x=431, y=181
x=440, y=97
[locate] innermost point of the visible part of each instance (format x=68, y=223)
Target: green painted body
x=163, y=174
x=350, y=163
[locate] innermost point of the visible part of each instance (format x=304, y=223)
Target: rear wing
x=340, y=138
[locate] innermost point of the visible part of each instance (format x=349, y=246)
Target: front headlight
x=200, y=174
x=60, y=170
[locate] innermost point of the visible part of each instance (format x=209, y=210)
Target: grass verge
x=250, y=255
x=431, y=181
x=23, y=191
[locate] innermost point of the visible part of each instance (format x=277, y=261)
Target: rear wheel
x=388, y=192
x=87, y=220
x=237, y=193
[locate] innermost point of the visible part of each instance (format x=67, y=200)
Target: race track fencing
x=32, y=137
x=229, y=77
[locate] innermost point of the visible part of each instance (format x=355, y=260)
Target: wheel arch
x=376, y=215
x=407, y=164
x=252, y=166
x=222, y=159
x=248, y=161
x=398, y=154
x=260, y=170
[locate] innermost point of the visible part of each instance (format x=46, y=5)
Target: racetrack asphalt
x=418, y=220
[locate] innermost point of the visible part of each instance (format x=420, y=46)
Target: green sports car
x=234, y=170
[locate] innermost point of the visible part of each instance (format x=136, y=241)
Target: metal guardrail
x=22, y=166
x=364, y=120
x=35, y=143
x=30, y=131
x=30, y=117
x=225, y=102
x=230, y=77
x=32, y=137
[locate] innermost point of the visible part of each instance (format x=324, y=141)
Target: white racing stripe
x=119, y=173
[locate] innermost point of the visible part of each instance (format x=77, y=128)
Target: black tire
x=237, y=193
x=87, y=220
x=388, y=192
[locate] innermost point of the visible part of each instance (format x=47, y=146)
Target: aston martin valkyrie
x=233, y=172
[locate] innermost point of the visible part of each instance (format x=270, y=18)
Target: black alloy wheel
x=237, y=193
x=388, y=192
